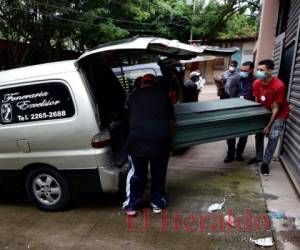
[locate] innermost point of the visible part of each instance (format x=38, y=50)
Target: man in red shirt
x=270, y=92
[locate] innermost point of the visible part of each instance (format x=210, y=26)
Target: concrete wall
x=247, y=51
x=267, y=30
x=211, y=69
x=214, y=68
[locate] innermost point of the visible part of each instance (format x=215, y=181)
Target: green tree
x=14, y=27
x=239, y=26
x=51, y=26
x=219, y=17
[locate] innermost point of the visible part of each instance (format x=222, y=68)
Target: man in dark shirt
x=151, y=117
x=240, y=87
x=190, y=87
x=223, y=83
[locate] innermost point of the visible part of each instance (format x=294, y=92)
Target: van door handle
x=23, y=145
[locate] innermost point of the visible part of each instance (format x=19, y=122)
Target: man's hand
x=274, y=108
x=267, y=130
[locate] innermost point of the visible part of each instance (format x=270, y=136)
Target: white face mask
x=231, y=69
x=199, y=83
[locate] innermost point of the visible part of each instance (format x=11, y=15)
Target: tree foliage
x=50, y=27
x=222, y=19
x=239, y=26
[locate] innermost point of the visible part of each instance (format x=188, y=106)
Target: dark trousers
x=224, y=96
x=231, y=142
x=239, y=148
x=137, y=178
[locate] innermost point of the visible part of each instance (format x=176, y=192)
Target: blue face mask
x=261, y=75
x=244, y=74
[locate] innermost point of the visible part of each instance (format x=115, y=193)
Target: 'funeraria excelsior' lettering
x=11, y=97
x=26, y=104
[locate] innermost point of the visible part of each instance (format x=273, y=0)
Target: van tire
x=47, y=189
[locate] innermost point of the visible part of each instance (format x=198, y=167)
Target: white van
x=63, y=126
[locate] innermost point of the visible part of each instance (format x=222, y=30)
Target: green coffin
x=202, y=122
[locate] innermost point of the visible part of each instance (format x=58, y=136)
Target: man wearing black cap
x=191, y=91
x=151, y=117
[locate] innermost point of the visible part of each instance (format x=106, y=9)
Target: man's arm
x=234, y=87
x=278, y=100
x=219, y=83
x=275, y=109
x=171, y=114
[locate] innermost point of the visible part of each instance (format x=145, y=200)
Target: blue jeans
x=274, y=135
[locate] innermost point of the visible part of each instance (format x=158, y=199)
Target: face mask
x=261, y=75
x=244, y=74
x=231, y=69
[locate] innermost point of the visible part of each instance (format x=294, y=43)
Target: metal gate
x=291, y=139
x=277, y=53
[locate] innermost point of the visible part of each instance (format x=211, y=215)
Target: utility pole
x=191, y=31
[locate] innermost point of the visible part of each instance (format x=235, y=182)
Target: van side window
x=127, y=81
x=36, y=102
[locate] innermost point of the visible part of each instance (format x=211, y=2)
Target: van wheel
x=47, y=189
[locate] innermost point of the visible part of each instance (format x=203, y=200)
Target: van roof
x=36, y=71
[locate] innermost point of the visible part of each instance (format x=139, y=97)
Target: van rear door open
x=159, y=46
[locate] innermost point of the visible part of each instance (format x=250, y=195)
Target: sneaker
x=130, y=212
x=156, y=209
x=229, y=159
x=264, y=169
x=253, y=161
x=239, y=157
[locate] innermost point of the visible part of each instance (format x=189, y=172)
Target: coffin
x=202, y=122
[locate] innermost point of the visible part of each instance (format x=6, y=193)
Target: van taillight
x=101, y=140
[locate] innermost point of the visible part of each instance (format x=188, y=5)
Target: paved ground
x=282, y=197
x=195, y=179
x=208, y=93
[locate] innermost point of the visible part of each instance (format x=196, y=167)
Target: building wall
x=267, y=29
x=214, y=68
x=247, y=51
x=237, y=56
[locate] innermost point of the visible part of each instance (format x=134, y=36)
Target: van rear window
x=130, y=76
x=43, y=101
